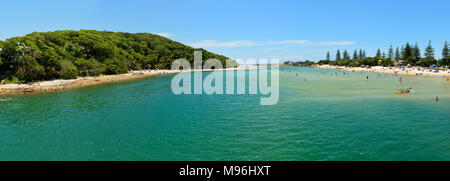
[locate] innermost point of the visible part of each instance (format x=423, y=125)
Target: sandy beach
x=59, y=84
x=394, y=70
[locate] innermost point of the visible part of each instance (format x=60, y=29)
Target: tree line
x=407, y=54
x=299, y=63
x=68, y=54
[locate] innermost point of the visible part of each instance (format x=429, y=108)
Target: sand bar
x=59, y=85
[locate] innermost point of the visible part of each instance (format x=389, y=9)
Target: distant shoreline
x=394, y=70
x=61, y=84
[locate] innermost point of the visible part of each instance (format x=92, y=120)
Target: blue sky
x=289, y=30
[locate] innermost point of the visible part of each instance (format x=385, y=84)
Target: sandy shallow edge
x=59, y=85
x=387, y=70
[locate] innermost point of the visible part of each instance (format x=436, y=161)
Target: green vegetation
x=11, y=80
x=68, y=54
x=407, y=55
x=299, y=63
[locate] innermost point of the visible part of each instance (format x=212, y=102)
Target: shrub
x=89, y=67
x=11, y=80
x=115, y=66
x=29, y=69
x=68, y=70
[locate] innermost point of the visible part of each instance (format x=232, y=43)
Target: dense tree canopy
x=407, y=55
x=67, y=54
x=299, y=63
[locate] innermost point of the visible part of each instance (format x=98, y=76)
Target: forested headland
x=68, y=54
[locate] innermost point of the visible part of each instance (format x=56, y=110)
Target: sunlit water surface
x=320, y=115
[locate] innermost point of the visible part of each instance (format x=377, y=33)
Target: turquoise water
x=318, y=117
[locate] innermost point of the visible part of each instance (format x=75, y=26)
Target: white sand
x=394, y=70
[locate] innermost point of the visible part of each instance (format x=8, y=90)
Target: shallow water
x=318, y=117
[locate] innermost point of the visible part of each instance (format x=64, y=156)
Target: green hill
x=68, y=54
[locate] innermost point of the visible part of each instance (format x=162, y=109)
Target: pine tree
x=384, y=55
x=338, y=55
x=397, y=54
x=445, y=51
x=408, y=54
x=364, y=53
x=378, y=53
x=355, y=55
x=328, y=56
x=401, y=52
x=391, y=53
x=417, y=54
x=345, y=55
x=429, y=51
x=445, y=55
x=360, y=54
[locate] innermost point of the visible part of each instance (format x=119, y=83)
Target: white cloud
x=164, y=34
x=337, y=43
x=213, y=43
x=285, y=42
x=247, y=43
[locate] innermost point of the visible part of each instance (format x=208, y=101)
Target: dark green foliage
x=90, y=67
x=324, y=62
x=445, y=55
x=378, y=53
x=355, y=55
x=68, y=70
x=426, y=62
x=429, y=51
x=300, y=63
x=416, y=52
x=39, y=56
x=115, y=66
x=346, y=55
x=391, y=53
x=338, y=55
x=444, y=61
x=372, y=61
x=408, y=54
x=28, y=69
x=398, y=56
x=11, y=80
x=445, y=51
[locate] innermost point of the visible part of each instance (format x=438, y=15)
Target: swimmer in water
x=367, y=78
x=437, y=98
